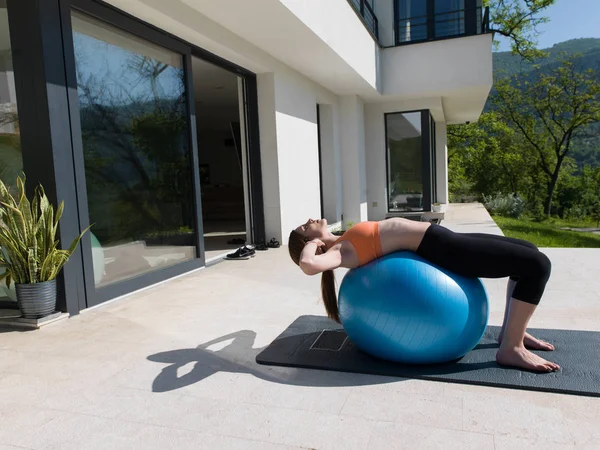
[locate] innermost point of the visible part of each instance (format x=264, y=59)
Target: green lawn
x=549, y=233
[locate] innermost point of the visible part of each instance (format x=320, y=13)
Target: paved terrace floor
x=173, y=367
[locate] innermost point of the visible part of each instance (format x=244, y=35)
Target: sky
x=569, y=19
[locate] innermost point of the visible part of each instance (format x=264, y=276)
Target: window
x=138, y=167
x=11, y=161
x=412, y=20
x=449, y=17
x=422, y=20
x=410, y=161
x=405, y=161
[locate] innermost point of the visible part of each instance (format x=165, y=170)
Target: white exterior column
x=331, y=165
x=268, y=154
x=441, y=157
x=289, y=153
x=352, y=138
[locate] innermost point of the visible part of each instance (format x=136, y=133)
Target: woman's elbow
x=308, y=268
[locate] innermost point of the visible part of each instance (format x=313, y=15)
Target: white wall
x=438, y=66
x=376, y=150
x=298, y=153
x=441, y=155
x=458, y=70
x=331, y=178
x=268, y=153
x=354, y=176
x=290, y=152
x=336, y=23
x=272, y=36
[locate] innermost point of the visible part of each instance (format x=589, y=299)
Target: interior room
x=221, y=150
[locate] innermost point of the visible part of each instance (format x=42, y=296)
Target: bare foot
x=524, y=359
x=533, y=343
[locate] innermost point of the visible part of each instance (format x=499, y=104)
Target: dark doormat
x=315, y=342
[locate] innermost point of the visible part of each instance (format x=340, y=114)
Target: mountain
x=588, y=49
x=587, y=55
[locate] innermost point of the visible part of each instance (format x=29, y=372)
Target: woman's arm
x=314, y=261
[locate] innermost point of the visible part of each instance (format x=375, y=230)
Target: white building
x=368, y=74
x=181, y=128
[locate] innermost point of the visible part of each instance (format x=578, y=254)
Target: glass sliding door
x=11, y=161
x=405, y=142
x=136, y=152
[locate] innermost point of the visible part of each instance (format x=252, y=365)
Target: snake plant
x=28, y=245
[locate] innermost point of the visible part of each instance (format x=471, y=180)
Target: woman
x=316, y=250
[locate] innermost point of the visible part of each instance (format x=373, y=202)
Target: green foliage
x=548, y=113
x=585, y=51
x=505, y=205
x=517, y=20
x=29, y=247
x=548, y=233
x=578, y=196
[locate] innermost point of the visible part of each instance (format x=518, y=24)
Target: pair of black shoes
x=244, y=252
x=247, y=252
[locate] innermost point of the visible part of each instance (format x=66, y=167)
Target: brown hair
x=296, y=244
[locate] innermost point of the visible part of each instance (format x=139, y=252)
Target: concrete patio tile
x=20, y=427
x=174, y=367
x=515, y=416
x=9, y=358
x=236, y=419
x=69, y=430
x=318, y=431
x=512, y=443
x=12, y=447
x=585, y=432
x=401, y=436
x=76, y=395
x=63, y=367
x=400, y=407
x=160, y=438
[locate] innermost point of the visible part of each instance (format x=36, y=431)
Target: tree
x=517, y=20
x=549, y=112
x=488, y=157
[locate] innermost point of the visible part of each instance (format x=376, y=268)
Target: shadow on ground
x=239, y=357
x=229, y=359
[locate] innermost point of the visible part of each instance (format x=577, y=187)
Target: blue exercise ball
x=404, y=309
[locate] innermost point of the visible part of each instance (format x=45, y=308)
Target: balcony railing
x=365, y=11
x=448, y=24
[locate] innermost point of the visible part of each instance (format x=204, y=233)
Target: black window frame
x=427, y=158
x=476, y=21
x=45, y=79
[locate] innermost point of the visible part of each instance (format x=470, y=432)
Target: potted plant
x=29, y=249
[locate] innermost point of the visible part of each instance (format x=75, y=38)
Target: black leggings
x=489, y=256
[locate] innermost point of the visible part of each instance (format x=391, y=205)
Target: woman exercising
x=316, y=250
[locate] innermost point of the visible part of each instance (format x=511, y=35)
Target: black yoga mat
x=315, y=342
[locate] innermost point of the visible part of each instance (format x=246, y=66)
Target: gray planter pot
x=37, y=300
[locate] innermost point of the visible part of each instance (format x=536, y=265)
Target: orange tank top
x=364, y=237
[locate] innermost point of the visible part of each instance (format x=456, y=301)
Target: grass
x=549, y=233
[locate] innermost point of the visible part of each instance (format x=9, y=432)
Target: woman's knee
x=542, y=265
x=528, y=244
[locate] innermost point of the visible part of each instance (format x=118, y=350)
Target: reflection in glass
x=412, y=20
x=449, y=17
x=405, y=161
x=137, y=159
x=11, y=161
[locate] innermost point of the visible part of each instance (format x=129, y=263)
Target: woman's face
x=313, y=228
